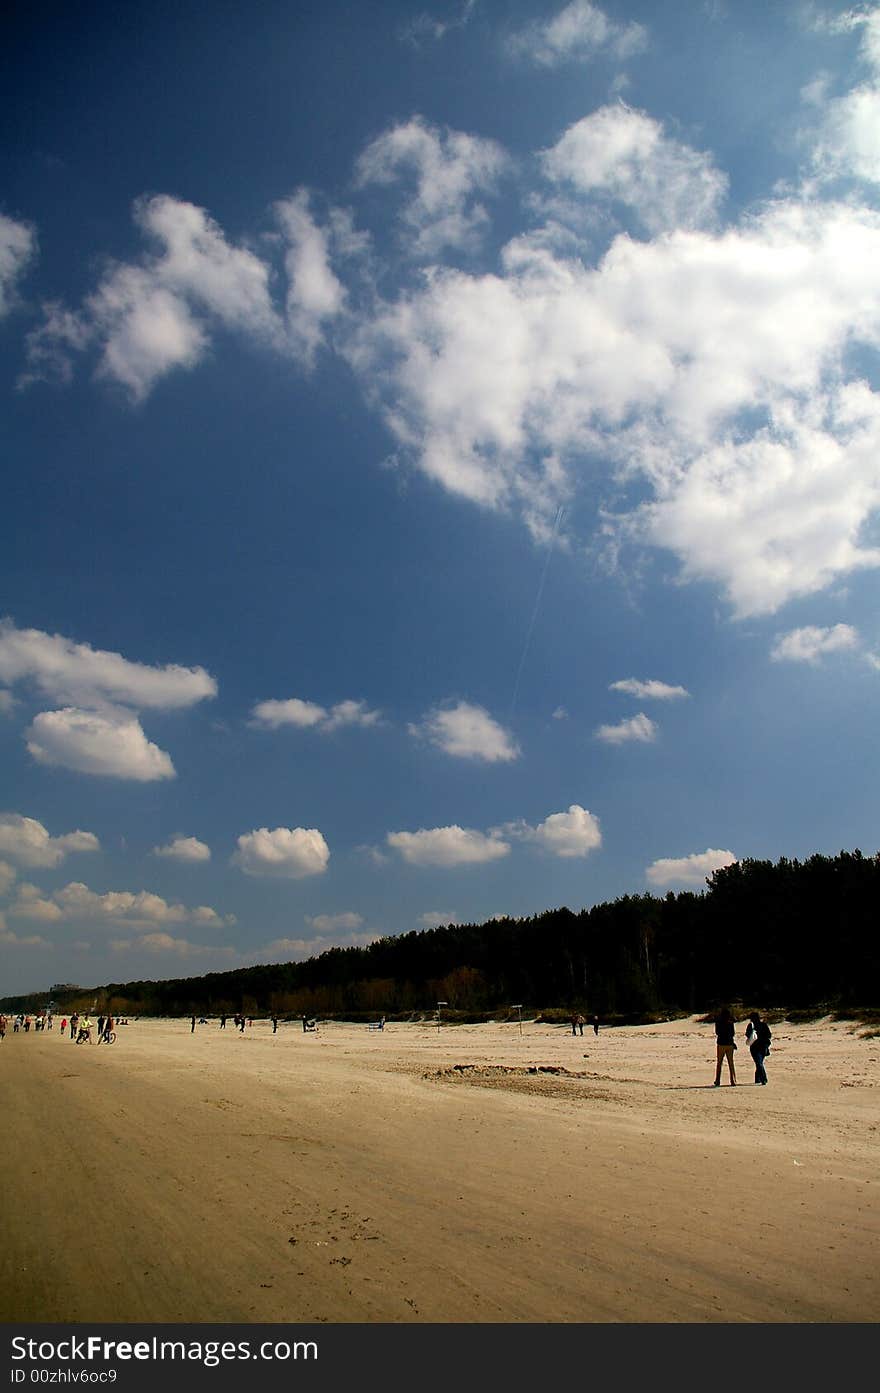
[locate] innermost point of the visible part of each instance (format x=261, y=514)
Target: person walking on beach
x=74, y=1022
x=2, y=1027
x=758, y=1035
x=222, y=1022
x=274, y=1024
x=595, y=1025
x=192, y=1024
x=725, y=1032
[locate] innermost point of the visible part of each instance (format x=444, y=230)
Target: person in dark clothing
x=725, y=1037
x=595, y=1025
x=759, y=1035
x=222, y=1022
x=274, y=1024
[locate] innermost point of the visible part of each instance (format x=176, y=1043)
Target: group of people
x=758, y=1037
x=81, y=1029
x=578, y=1022
x=43, y=1021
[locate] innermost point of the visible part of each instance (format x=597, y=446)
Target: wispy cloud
x=651, y=690
x=18, y=244
x=580, y=32
x=809, y=644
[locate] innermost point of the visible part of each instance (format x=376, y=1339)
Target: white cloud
x=112, y=746
x=187, y=849
x=286, y=948
x=705, y=368
x=333, y=923
x=18, y=243
x=434, y=918
x=28, y=842
x=288, y=852
x=424, y=26
x=450, y=168
x=848, y=143
x=164, y=943
x=573, y=833
x=7, y=876
x=640, y=729
x=270, y=715
x=688, y=870
x=624, y=155
x=448, y=846
x=149, y=318
x=579, y=32
x=315, y=295
x=468, y=732
x=7, y=702
x=809, y=644
x=651, y=690
x=560, y=714
x=77, y=903
x=11, y=940
x=76, y=672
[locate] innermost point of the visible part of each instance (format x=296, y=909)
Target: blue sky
x=440, y=465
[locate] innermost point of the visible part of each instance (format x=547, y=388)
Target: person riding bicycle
x=108, y=1029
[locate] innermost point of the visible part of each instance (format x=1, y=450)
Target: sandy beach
x=466, y=1174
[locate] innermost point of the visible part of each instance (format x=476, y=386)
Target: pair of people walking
x=758, y=1035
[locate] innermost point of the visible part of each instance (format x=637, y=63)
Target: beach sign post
x=518, y=1010
x=439, y=1004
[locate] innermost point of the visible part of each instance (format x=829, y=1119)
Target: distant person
x=100, y=1029
x=595, y=1025
x=241, y=1024
x=580, y=1022
x=274, y=1024
x=63, y=1024
x=758, y=1035
x=108, y=1027
x=574, y=1025
x=2, y=1027
x=222, y=1022
x=192, y=1024
x=725, y=1038
x=74, y=1022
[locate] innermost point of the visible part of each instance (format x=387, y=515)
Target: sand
x=425, y=1175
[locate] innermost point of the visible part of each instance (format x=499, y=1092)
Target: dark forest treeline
x=794, y=934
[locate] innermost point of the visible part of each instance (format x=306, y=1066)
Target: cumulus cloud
x=688, y=870
x=18, y=243
x=579, y=32
x=573, y=833
x=809, y=644
x=7, y=702
x=468, y=732
x=705, y=367
x=151, y=317
x=640, y=729
x=270, y=715
x=848, y=143
x=286, y=948
x=67, y=671
x=112, y=746
x=333, y=923
x=449, y=168
x=28, y=842
x=624, y=156
x=186, y=849
x=291, y=853
x=7, y=876
x=651, y=690
x=77, y=903
x=448, y=846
